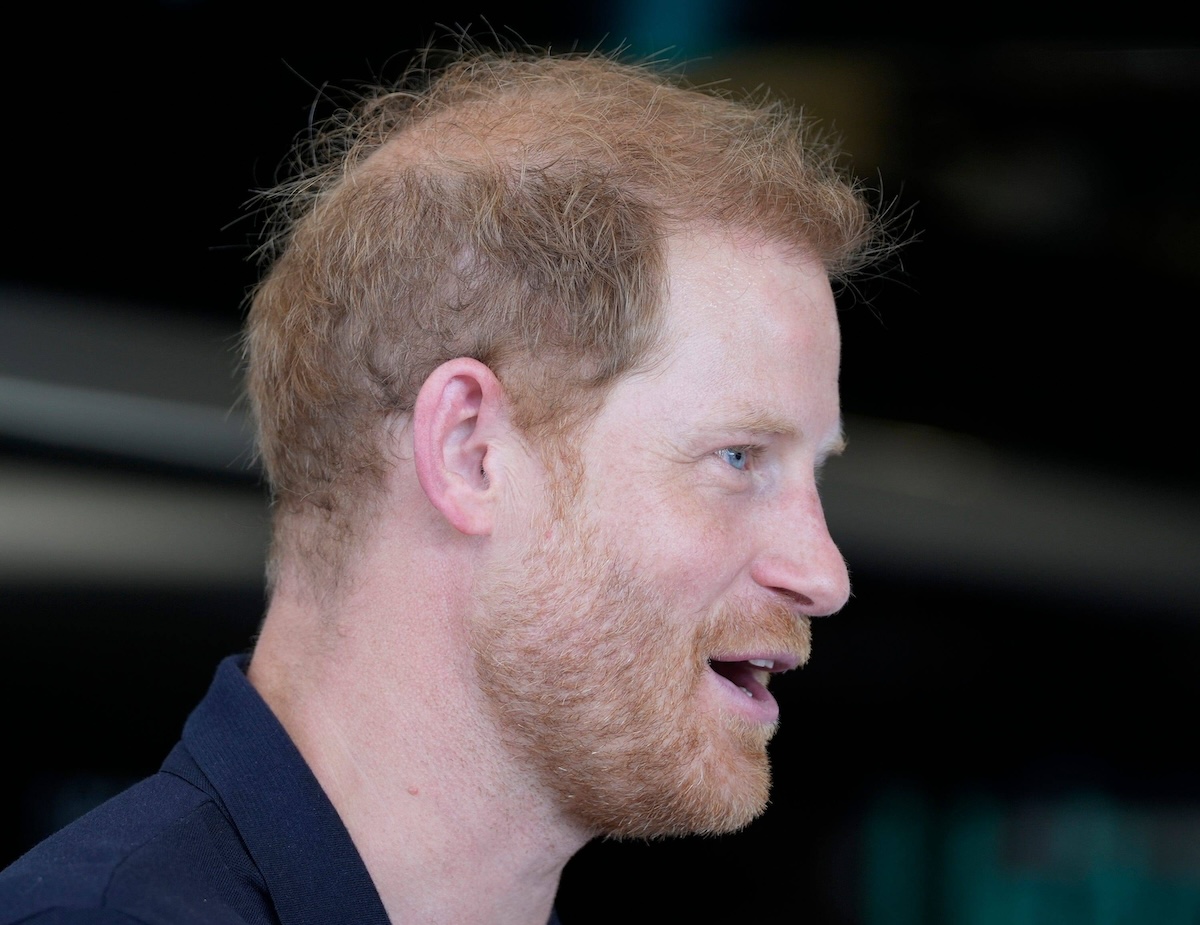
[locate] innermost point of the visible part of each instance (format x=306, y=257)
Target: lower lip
x=760, y=709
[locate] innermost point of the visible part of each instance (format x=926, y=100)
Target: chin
x=716, y=789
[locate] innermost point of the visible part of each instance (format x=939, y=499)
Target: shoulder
x=160, y=852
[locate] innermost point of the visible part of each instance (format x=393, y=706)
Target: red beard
x=604, y=690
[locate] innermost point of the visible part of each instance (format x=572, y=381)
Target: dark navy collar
x=235, y=749
x=252, y=769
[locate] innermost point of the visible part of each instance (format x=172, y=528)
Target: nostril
x=794, y=597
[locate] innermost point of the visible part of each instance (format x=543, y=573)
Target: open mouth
x=750, y=676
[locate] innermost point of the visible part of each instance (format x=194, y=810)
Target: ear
x=458, y=415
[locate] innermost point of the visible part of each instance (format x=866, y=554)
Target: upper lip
x=774, y=662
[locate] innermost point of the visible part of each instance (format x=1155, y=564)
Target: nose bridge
x=798, y=556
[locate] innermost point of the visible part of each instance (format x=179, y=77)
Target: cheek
x=691, y=540
x=719, y=551
x=694, y=548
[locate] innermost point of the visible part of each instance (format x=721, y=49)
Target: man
x=545, y=364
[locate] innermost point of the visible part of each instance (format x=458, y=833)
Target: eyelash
x=749, y=454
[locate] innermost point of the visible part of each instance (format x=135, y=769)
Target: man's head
x=625, y=638
x=515, y=209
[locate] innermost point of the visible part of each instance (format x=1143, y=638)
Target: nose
x=799, y=559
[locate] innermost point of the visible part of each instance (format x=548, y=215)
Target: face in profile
x=628, y=639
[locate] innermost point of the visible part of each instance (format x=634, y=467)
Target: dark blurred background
x=1000, y=727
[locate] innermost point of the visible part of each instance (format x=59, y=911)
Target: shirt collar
x=313, y=871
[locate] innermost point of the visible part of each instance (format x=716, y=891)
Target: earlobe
x=457, y=416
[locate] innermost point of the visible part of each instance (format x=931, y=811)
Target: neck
x=378, y=694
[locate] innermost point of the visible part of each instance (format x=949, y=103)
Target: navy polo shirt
x=233, y=828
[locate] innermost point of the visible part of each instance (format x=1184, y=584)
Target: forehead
x=728, y=291
x=750, y=337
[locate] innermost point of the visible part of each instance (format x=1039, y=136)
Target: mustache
x=766, y=628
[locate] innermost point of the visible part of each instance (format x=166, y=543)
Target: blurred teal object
x=1079, y=859
x=671, y=29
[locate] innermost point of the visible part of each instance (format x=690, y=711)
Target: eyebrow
x=768, y=423
x=836, y=446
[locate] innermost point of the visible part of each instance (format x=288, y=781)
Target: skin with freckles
x=694, y=533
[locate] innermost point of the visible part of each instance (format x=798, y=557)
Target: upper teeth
x=762, y=663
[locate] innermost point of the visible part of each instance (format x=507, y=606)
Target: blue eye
x=736, y=456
